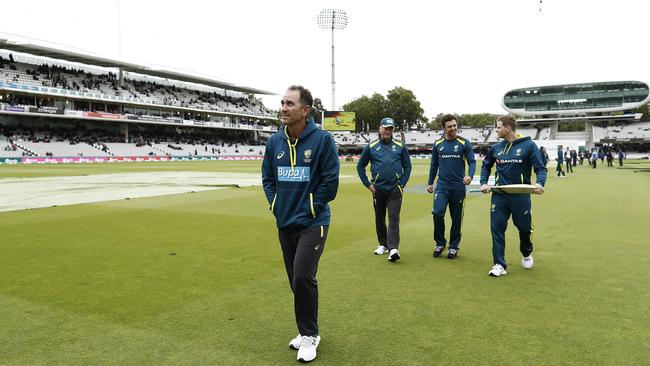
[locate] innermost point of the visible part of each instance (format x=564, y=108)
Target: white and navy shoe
x=497, y=270
x=295, y=343
x=437, y=251
x=527, y=262
x=307, y=349
x=381, y=250
x=393, y=256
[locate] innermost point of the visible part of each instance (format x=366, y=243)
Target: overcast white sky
x=456, y=56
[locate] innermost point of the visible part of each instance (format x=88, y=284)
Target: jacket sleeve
x=364, y=159
x=471, y=161
x=329, y=177
x=486, y=167
x=538, y=164
x=268, y=173
x=433, y=167
x=406, y=165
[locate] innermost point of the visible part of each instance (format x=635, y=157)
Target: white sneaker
x=295, y=343
x=381, y=250
x=497, y=270
x=393, y=255
x=527, y=262
x=307, y=350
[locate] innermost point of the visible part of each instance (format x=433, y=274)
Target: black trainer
x=438, y=250
x=393, y=256
x=452, y=254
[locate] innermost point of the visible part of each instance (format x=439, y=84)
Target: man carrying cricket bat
x=515, y=158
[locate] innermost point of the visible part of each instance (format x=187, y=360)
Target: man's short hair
x=508, y=121
x=446, y=118
x=305, y=95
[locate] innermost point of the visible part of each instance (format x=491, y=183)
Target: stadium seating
x=353, y=138
x=60, y=149
x=544, y=134
x=623, y=131
x=531, y=132
x=154, y=91
x=478, y=135
x=421, y=137
x=151, y=91
x=131, y=149
x=39, y=145
x=9, y=150
x=491, y=136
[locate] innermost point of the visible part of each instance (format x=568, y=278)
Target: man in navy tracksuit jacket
x=560, y=161
x=390, y=167
x=514, y=158
x=300, y=175
x=448, y=157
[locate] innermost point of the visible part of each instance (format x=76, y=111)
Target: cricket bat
x=514, y=189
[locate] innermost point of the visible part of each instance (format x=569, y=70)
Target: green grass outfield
x=97, y=284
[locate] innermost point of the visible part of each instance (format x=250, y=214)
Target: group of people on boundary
x=571, y=158
x=300, y=175
x=567, y=159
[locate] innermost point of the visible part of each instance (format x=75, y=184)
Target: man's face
x=386, y=133
x=292, y=110
x=451, y=129
x=502, y=131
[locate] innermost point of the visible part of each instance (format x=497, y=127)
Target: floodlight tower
x=333, y=19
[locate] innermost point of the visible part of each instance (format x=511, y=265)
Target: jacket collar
x=311, y=127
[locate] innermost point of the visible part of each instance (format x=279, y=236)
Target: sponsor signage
x=74, y=113
x=46, y=110
x=76, y=160
x=10, y=160
x=102, y=115
x=10, y=108
x=240, y=157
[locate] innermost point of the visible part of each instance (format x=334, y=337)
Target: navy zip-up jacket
x=514, y=163
x=390, y=165
x=301, y=177
x=448, y=162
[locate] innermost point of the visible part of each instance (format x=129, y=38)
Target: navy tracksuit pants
x=455, y=199
x=504, y=205
x=301, y=250
x=392, y=202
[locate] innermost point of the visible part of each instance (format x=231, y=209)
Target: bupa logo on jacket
x=300, y=177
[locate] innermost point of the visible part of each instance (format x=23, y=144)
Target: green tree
x=317, y=110
x=404, y=108
x=369, y=111
x=478, y=119
x=470, y=120
x=400, y=104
